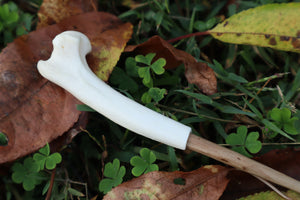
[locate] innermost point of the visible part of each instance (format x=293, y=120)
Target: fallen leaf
x=196, y=72
x=272, y=25
x=34, y=111
x=272, y=195
x=207, y=183
x=54, y=11
x=286, y=161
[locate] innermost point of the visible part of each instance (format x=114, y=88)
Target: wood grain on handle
x=241, y=162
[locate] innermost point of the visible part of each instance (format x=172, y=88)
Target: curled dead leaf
x=197, y=73
x=34, y=111
x=207, y=183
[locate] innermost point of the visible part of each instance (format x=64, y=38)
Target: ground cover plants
x=254, y=110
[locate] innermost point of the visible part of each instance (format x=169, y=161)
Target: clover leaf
x=242, y=141
x=158, y=66
x=114, y=174
x=157, y=94
x=43, y=158
x=144, y=163
x=145, y=71
x=26, y=173
x=145, y=59
x=284, y=120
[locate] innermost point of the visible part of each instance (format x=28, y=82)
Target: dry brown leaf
x=197, y=73
x=54, y=11
x=207, y=183
x=34, y=111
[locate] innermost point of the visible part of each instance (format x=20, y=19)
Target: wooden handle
x=241, y=162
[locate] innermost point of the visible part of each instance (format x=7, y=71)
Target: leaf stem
x=51, y=184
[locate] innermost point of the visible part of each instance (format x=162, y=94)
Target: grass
x=252, y=82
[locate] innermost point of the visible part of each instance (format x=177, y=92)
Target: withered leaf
x=54, y=11
x=34, y=111
x=197, y=73
x=207, y=183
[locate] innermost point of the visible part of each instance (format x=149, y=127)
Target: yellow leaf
x=272, y=25
x=272, y=195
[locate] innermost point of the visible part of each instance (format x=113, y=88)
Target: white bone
x=67, y=67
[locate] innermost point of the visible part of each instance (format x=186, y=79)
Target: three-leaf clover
x=114, y=174
x=145, y=72
x=283, y=120
x=44, y=159
x=144, y=163
x=26, y=173
x=241, y=141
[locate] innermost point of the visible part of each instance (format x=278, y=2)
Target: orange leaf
x=197, y=73
x=207, y=183
x=34, y=111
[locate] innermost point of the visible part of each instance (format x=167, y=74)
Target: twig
x=273, y=188
x=51, y=184
x=241, y=162
x=188, y=36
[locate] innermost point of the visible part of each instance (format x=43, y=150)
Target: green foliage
x=145, y=71
x=251, y=81
x=241, y=141
x=143, y=67
x=75, y=192
x=30, y=172
x=283, y=119
x=26, y=173
x=13, y=22
x=114, y=173
x=143, y=163
x=3, y=139
x=123, y=80
x=44, y=159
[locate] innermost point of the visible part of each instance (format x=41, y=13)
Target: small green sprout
x=283, y=119
x=144, y=163
x=44, y=159
x=114, y=174
x=26, y=173
x=241, y=141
